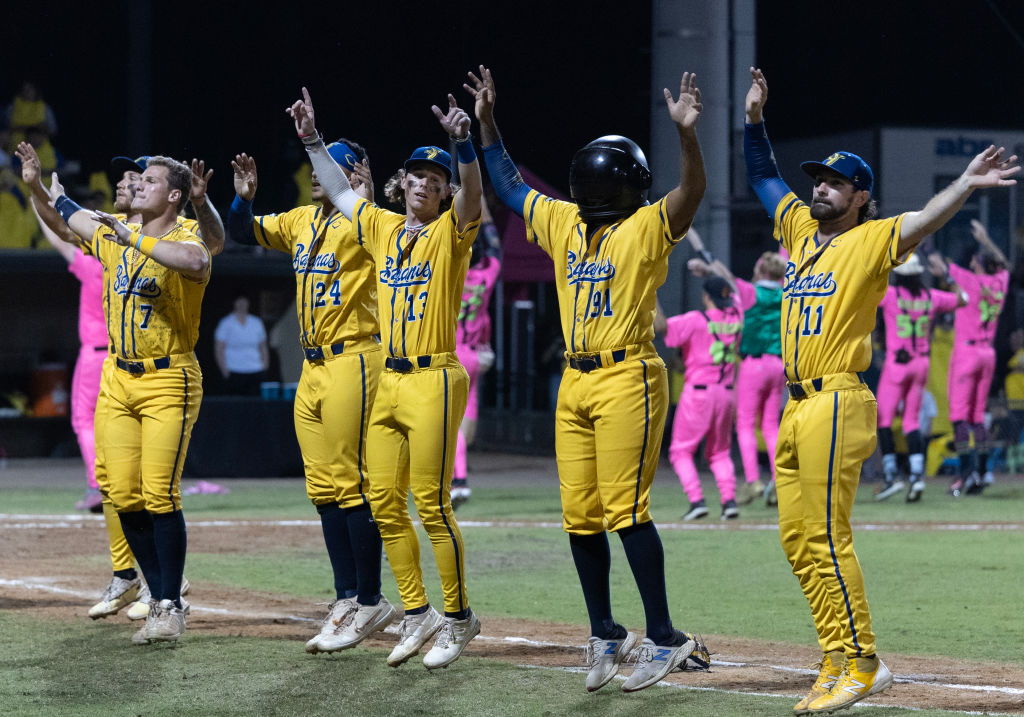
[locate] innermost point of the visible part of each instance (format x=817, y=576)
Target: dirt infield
x=41, y=574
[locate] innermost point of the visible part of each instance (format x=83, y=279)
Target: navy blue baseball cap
x=343, y=155
x=846, y=164
x=431, y=155
x=120, y=165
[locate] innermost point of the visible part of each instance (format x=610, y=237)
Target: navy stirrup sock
x=171, y=542
x=366, y=547
x=339, y=549
x=646, y=558
x=593, y=559
x=138, y=531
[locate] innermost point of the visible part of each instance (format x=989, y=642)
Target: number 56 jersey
x=831, y=292
x=607, y=289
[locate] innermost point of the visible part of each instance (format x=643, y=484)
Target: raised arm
x=65, y=245
x=45, y=213
x=508, y=183
x=240, y=216
x=467, y=200
x=980, y=234
x=762, y=172
x=211, y=227
x=988, y=169
x=681, y=203
x=333, y=181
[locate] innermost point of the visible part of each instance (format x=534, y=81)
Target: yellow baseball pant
x=608, y=429
x=823, y=440
x=332, y=415
x=149, y=424
x=121, y=557
x=411, y=445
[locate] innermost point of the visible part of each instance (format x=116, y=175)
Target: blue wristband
x=65, y=207
x=465, y=151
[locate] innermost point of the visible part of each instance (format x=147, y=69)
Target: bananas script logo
x=431, y=152
x=833, y=159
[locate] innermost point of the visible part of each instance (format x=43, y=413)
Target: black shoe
x=729, y=510
x=697, y=510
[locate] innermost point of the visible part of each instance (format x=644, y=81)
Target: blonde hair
x=394, y=193
x=772, y=265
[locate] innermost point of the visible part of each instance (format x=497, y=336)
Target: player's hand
x=757, y=95
x=979, y=232
x=121, y=233
x=302, y=112
x=361, y=180
x=55, y=190
x=698, y=267
x=200, y=178
x=245, y=176
x=30, y=168
x=484, y=96
x=685, y=110
x=455, y=122
x=989, y=169
x=936, y=266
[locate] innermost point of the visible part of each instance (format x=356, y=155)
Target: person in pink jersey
x=709, y=340
x=473, y=339
x=908, y=311
x=85, y=382
x=974, y=358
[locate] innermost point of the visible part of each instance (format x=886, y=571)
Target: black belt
x=703, y=387
x=135, y=367
x=979, y=342
x=797, y=391
x=404, y=365
x=316, y=353
x=586, y=365
x=99, y=348
x=754, y=355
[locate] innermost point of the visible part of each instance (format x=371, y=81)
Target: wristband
x=310, y=139
x=464, y=150
x=143, y=244
x=65, y=207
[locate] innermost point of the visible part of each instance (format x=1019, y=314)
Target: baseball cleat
x=861, y=676
x=916, y=489
x=653, y=662
x=118, y=593
x=751, y=491
x=139, y=610
x=460, y=492
x=338, y=616
x=890, y=489
x=604, y=657
x=829, y=669
x=451, y=640
x=729, y=510
x=974, y=484
x=415, y=630
x=366, y=620
x=697, y=510
x=166, y=622
x=771, y=498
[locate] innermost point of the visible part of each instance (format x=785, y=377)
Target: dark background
x=221, y=74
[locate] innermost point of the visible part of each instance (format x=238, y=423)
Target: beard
x=825, y=212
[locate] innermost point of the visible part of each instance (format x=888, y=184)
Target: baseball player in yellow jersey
x=336, y=300
x=125, y=587
x=840, y=258
x=155, y=275
x=421, y=259
x=610, y=250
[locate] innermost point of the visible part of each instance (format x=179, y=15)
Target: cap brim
x=410, y=163
x=815, y=169
x=120, y=165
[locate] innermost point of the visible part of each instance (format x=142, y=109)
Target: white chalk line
x=21, y=521
x=46, y=585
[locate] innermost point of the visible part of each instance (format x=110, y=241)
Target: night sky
x=566, y=72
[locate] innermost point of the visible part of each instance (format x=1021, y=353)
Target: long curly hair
x=394, y=193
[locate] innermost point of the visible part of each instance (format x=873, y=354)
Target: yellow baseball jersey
x=152, y=311
x=335, y=286
x=607, y=289
x=830, y=294
x=420, y=277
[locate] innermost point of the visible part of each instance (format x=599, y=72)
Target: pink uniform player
x=85, y=383
x=973, y=361
x=709, y=341
x=472, y=346
x=762, y=378
x=908, y=311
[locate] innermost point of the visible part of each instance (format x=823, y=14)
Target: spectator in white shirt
x=241, y=348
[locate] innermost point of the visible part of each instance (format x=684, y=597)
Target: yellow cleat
x=830, y=667
x=861, y=677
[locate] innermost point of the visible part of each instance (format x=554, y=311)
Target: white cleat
x=604, y=657
x=139, y=610
x=338, y=616
x=118, y=593
x=416, y=630
x=653, y=662
x=366, y=620
x=451, y=640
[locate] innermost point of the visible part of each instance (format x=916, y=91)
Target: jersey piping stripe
x=828, y=521
x=362, y=430
x=263, y=231
x=793, y=202
x=440, y=494
x=576, y=298
x=394, y=294
x=359, y=225
x=536, y=198
x=590, y=293
x=643, y=449
x=181, y=440
x=664, y=223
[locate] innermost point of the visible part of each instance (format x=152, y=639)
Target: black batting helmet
x=609, y=179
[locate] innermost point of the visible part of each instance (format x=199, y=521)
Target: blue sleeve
x=762, y=172
x=508, y=184
x=240, y=221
